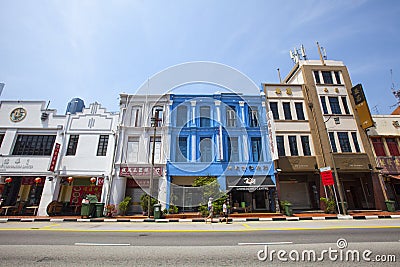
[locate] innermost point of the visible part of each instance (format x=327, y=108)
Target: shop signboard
x=54, y=157
x=140, y=171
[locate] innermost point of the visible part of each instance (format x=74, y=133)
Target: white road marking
x=100, y=244
x=270, y=243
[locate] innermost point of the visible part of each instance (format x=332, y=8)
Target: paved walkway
x=195, y=217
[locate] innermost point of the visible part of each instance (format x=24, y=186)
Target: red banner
x=54, y=157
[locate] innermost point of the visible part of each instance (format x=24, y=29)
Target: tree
x=210, y=188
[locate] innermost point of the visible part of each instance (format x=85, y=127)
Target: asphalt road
x=196, y=244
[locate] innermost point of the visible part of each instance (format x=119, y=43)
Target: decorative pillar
x=220, y=155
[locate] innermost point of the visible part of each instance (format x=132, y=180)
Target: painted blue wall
x=188, y=125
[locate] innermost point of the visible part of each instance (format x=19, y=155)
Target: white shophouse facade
x=36, y=143
x=134, y=150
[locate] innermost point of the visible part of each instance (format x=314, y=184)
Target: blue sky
x=58, y=50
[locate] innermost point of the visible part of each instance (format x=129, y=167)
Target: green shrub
x=330, y=205
x=123, y=205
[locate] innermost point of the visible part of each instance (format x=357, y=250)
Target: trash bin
x=157, y=211
x=288, y=209
x=99, y=209
x=390, y=205
x=85, y=209
x=88, y=206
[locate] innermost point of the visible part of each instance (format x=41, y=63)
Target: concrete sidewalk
x=195, y=217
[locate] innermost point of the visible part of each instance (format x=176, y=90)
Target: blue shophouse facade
x=222, y=135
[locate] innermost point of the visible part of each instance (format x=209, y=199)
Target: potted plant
x=330, y=206
x=287, y=207
x=144, y=202
x=110, y=208
x=123, y=205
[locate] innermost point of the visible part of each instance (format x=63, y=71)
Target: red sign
x=79, y=192
x=54, y=157
x=327, y=177
x=139, y=171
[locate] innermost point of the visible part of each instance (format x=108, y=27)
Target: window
x=323, y=103
x=280, y=143
x=316, y=76
x=205, y=115
x=392, y=146
x=233, y=149
x=378, y=146
x=38, y=145
x=274, y=108
x=346, y=107
x=181, y=116
x=230, y=116
x=205, y=149
x=299, y=111
x=305, y=144
x=333, y=142
x=157, y=149
x=327, y=75
x=72, y=145
x=344, y=141
x=286, y=111
x=334, y=103
x=1, y=139
x=337, y=76
x=158, y=114
x=355, y=141
x=256, y=149
x=181, y=149
x=136, y=117
x=293, y=145
x=253, y=117
x=133, y=149
x=102, y=146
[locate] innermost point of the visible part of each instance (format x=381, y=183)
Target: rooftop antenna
x=303, y=52
x=1, y=87
x=321, y=57
x=394, y=91
x=298, y=54
x=279, y=75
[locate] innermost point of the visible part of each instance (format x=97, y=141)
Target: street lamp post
x=154, y=121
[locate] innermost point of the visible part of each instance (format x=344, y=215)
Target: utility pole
x=154, y=121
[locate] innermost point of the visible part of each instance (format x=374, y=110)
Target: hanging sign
x=326, y=176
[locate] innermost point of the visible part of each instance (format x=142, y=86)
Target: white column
x=194, y=146
x=48, y=194
x=118, y=190
x=193, y=111
x=245, y=137
x=242, y=117
x=220, y=154
x=193, y=135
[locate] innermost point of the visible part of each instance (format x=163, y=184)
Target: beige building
x=336, y=138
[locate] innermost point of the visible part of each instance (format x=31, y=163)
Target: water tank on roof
x=75, y=105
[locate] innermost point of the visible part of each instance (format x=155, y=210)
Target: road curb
x=197, y=220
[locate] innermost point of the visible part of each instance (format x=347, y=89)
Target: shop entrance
x=251, y=201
